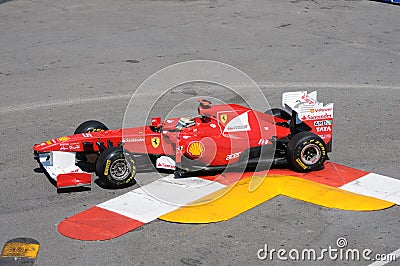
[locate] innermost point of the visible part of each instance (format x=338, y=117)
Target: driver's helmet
x=185, y=122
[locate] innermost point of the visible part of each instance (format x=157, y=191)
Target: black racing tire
x=116, y=168
x=306, y=152
x=90, y=126
x=86, y=127
x=278, y=112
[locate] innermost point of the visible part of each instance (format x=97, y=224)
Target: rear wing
x=306, y=109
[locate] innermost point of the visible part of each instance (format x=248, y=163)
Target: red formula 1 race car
x=224, y=135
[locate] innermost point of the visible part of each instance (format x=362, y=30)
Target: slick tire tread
x=298, y=146
x=86, y=127
x=110, y=161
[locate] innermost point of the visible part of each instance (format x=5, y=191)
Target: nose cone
x=37, y=147
x=50, y=145
x=44, y=146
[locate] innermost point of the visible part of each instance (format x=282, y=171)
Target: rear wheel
x=306, y=152
x=86, y=127
x=116, y=168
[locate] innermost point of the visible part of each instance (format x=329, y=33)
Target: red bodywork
x=220, y=134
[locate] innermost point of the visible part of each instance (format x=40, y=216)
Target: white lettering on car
x=232, y=156
x=323, y=123
x=323, y=129
x=87, y=135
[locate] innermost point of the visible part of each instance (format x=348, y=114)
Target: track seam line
x=267, y=85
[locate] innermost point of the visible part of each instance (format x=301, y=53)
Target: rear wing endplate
x=305, y=108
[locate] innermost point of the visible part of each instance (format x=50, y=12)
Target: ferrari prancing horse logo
x=223, y=118
x=155, y=142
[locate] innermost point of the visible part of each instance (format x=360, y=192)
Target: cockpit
x=185, y=122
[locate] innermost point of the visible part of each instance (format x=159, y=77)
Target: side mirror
x=156, y=122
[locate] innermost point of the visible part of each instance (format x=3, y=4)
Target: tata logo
x=323, y=129
x=155, y=142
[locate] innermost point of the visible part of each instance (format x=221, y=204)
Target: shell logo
x=312, y=110
x=195, y=148
x=63, y=138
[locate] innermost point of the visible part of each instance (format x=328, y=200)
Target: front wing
x=60, y=167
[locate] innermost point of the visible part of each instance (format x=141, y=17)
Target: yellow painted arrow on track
x=237, y=198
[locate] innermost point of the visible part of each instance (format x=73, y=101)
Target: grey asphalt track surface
x=64, y=62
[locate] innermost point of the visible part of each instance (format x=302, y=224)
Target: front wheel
x=87, y=127
x=306, y=152
x=116, y=168
x=90, y=126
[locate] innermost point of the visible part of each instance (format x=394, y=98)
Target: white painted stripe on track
x=268, y=85
x=395, y=253
x=73, y=101
x=323, y=85
x=164, y=195
x=377, y=186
